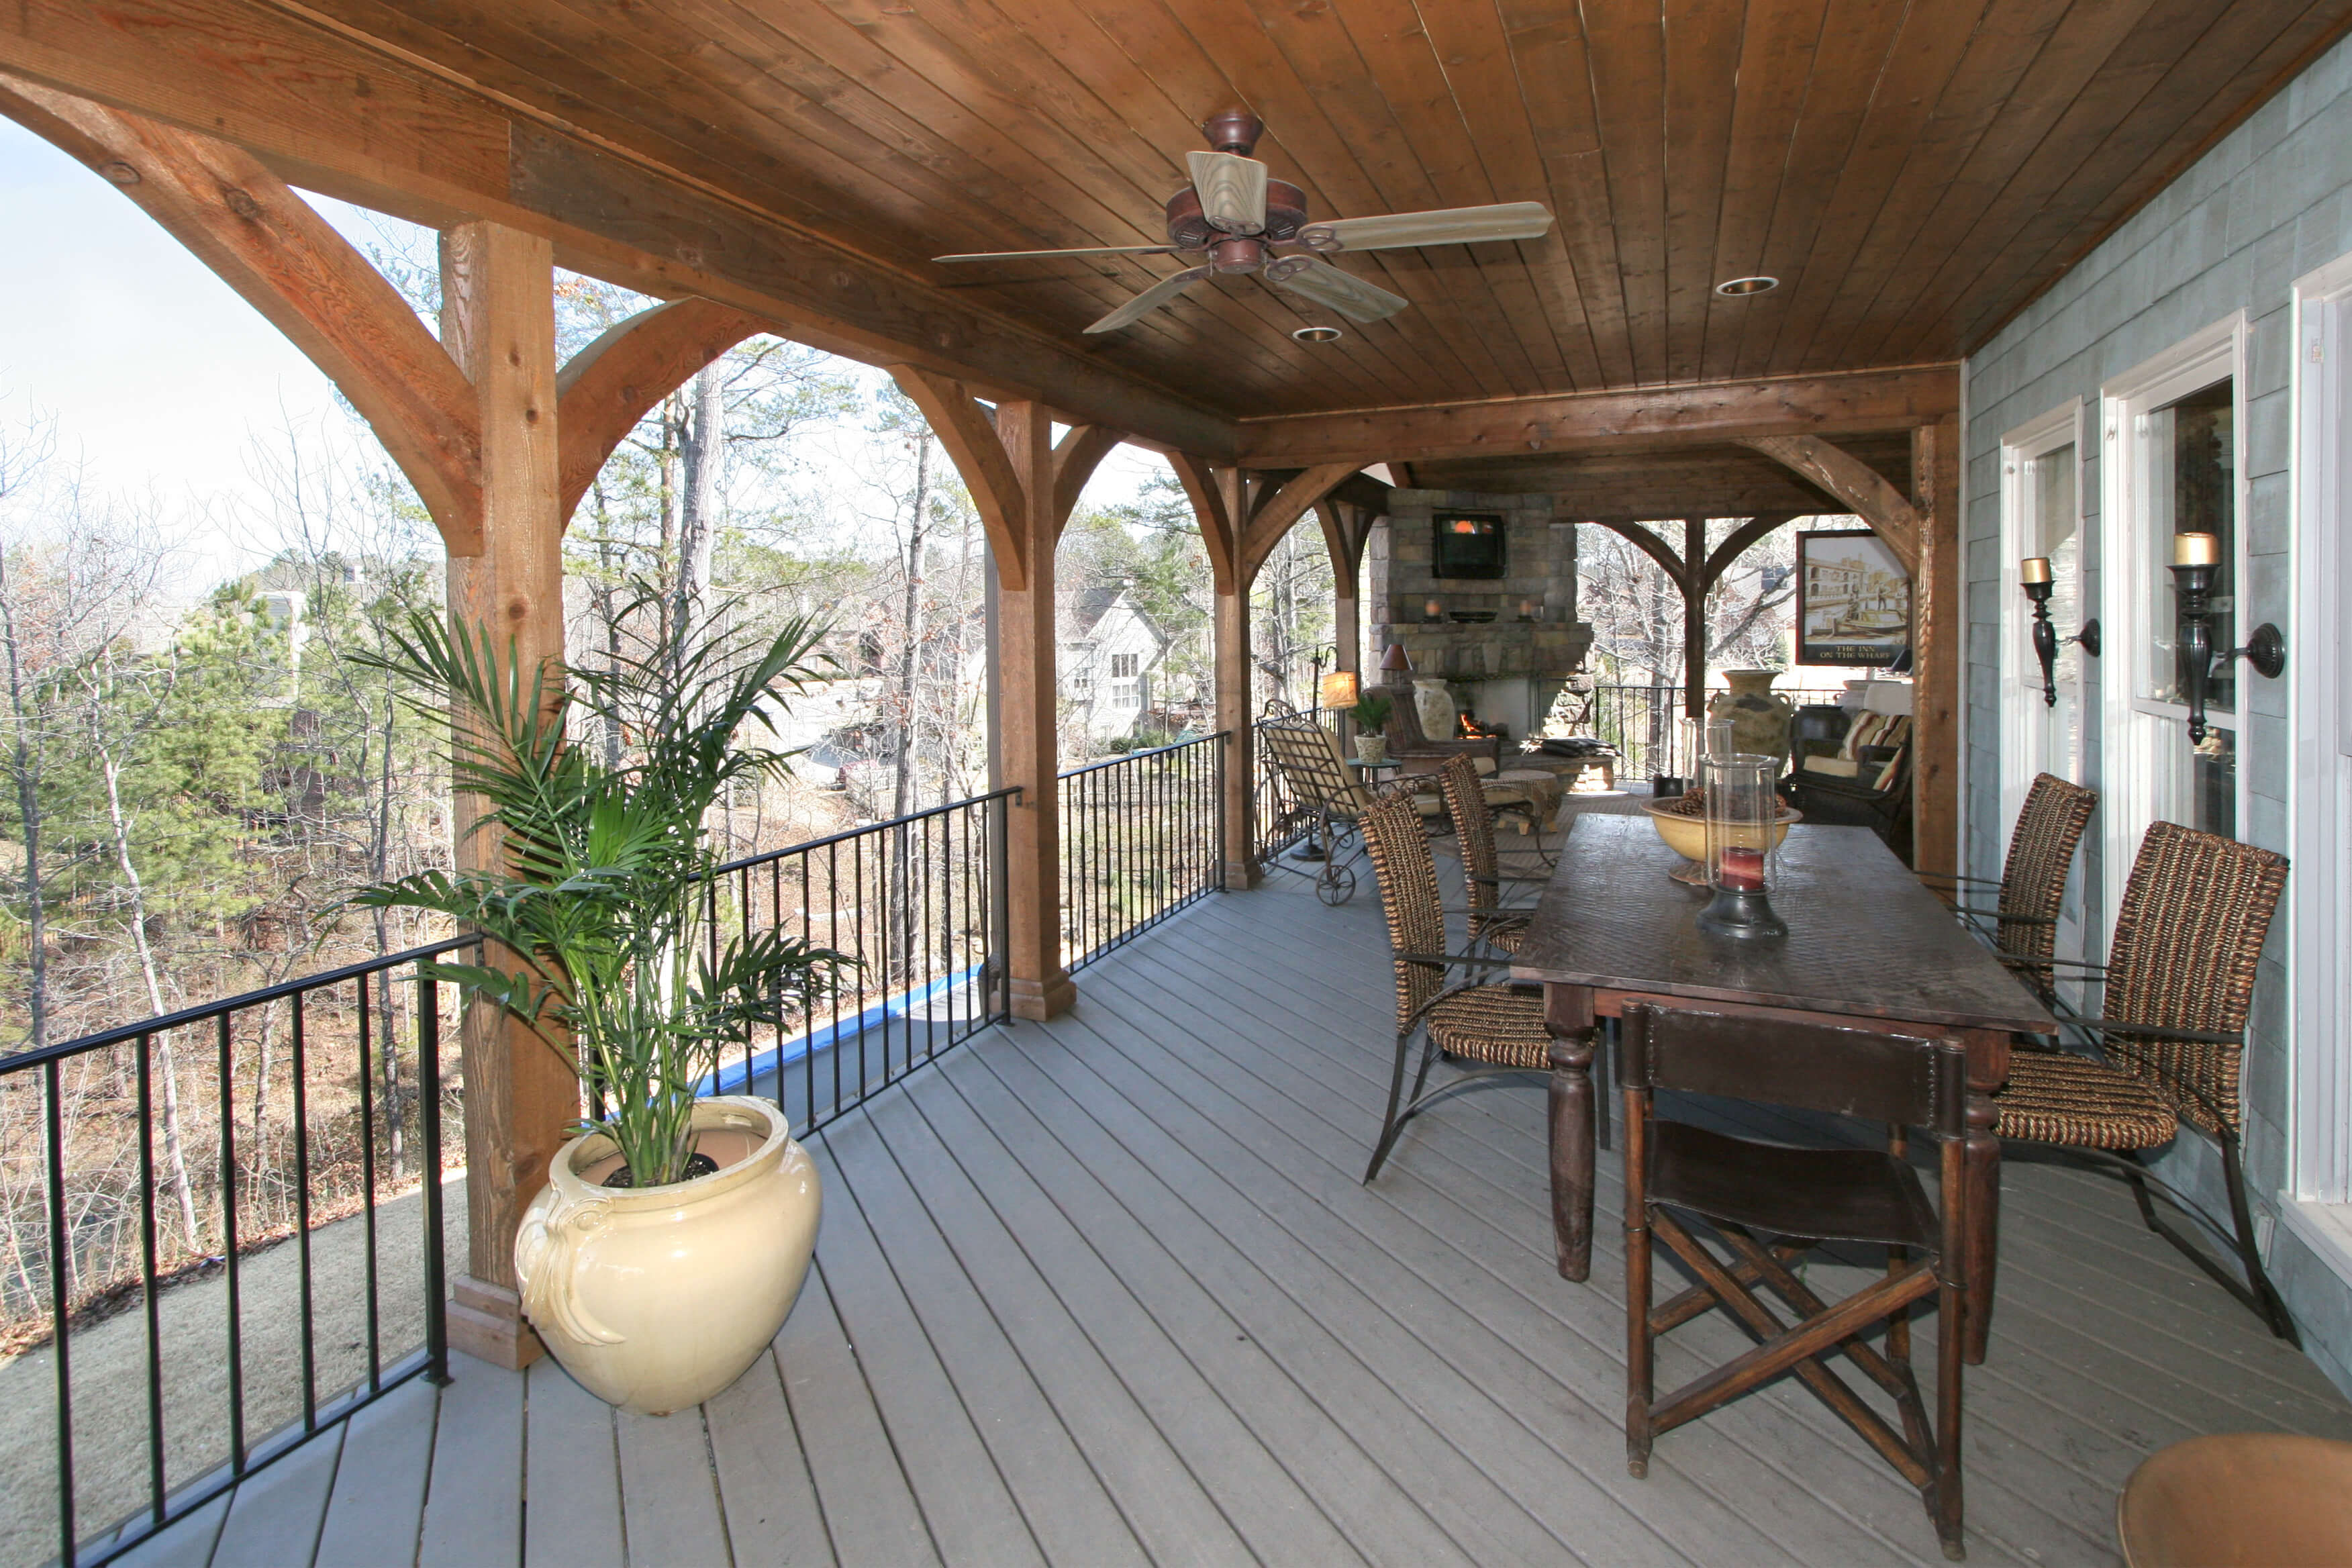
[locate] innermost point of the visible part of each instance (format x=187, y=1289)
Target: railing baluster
x=60, y=1309
x=303, y=1217
x=428, y=1164
x=367, y=1187
x=228, y=1244
x=150, y=1297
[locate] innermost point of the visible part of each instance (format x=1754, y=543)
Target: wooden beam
x=1935, y=650
x=497, y=316
x=339, y=113
x=1719, y=560
x=1028, y=716
x=1837, y=404
x=977, y=448
x=1862, y=490
x=1076, y=455
x=287, y=263
x=604, y=389
x=1279, y=509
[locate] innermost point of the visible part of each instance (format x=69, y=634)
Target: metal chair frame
x=1309, y=760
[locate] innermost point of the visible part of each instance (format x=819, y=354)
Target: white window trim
x=2021, y=738
x=2319, y=1076
x=2127, y=723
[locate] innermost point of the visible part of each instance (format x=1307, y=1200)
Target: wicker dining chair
x=1486, y=1029
x=2178, y=984
x=1491, y=925
x=2023, y=922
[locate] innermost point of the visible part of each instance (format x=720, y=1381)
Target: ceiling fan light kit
x=1740, y=287
x=1233, y=213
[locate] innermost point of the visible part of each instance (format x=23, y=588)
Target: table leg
x=1983, y=1177
x=1567, y=1012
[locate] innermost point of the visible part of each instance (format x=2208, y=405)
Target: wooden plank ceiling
x=1913, y=171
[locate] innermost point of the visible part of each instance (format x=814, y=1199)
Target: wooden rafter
x=286, y=262
x=1839, y=404
x=1859, y=487
x=604, y=389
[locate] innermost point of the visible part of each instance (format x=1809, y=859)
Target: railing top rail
x=1139, y=757
x=1009, y=792
x=197, y=1014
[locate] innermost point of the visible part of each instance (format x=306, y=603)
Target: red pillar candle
x=1742, y=869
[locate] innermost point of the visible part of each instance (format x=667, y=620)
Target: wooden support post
x=1024, y=485
x=1693, y=589
x=1221, y=504
x=1936, y=652
x=1041, y=987
x=498, y=321
x=1344, y=529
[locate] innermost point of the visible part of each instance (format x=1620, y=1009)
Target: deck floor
x=1108, y=1290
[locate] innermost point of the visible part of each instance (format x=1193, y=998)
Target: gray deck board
x=277, y=1514
x=1109, y=1290
x=378, y=1501
x=572, y=1479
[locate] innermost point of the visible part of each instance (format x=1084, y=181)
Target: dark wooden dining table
x=1869, y=946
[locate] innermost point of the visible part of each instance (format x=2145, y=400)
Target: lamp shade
x=1394, y=660
x=1339, y=688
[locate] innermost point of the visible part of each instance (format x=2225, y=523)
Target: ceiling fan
x=1235, y=215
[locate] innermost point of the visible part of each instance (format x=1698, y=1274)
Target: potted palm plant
x=676, y=1228
x=1372, y=716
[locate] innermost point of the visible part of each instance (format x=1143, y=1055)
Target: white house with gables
x=1107, y=656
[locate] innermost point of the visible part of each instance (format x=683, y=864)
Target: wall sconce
x=2035, y=572
x=2195, y=558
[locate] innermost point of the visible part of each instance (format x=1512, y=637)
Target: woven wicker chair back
x=1474, y=829
x=2034, y=881
x=2189, y=936
x=1408, y=878
x=1309, y=762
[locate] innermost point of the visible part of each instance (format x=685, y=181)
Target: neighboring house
x=1109, y=653
x=2192, y=373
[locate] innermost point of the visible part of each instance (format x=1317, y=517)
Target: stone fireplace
x=1504, y=664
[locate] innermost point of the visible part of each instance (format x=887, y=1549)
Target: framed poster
x=1853, y=600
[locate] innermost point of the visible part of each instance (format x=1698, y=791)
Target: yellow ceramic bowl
x=1686, y=836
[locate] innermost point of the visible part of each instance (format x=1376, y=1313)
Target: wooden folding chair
x=1770, y=1205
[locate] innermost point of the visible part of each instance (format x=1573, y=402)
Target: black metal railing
x=1143, y=837
x=1644, y=724
x=152, y=1155
x=919, y=901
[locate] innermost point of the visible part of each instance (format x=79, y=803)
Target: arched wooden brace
x=1923, y=532
x=1024, y=486
x=604, y=389
x=290, y=264
x=1693, y=570
x=1276, y=509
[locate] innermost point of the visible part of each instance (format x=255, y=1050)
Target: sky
x=156, y=375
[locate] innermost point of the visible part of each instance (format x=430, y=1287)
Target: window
x=1123, y=666
x=2189, y=484
x=1125, y=694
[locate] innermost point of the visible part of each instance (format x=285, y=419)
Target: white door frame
x=2319, y=916
x=2023, y=743
x=2131, y=727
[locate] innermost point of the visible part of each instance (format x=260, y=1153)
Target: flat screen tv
x=1468, y=544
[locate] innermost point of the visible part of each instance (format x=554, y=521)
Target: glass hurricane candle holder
x=1741, y=813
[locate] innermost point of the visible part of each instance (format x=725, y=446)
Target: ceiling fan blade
x=1449, y=226
x=1327, y=286
x=1232, y=191
x=1150, y=299
x=1083, y=250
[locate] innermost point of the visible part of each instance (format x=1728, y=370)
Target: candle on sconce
x=2035, y=569
x=1527, y=609
x=1433, y=610
x=2196, y=550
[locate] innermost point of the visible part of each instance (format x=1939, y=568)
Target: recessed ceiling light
x=1316, y=335
x=1735, y=288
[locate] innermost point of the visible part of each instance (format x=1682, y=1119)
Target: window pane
x=2188, y=467
x=2199, y=787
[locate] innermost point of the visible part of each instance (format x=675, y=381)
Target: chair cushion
x=2056, y=1097
x=1493, y=1023
x=1815, y=1194
x=1835, y=767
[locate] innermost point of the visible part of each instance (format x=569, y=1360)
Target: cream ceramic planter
x=658, y=1298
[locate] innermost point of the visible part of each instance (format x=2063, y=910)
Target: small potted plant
x=1371, y=715
x=675, y=1229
